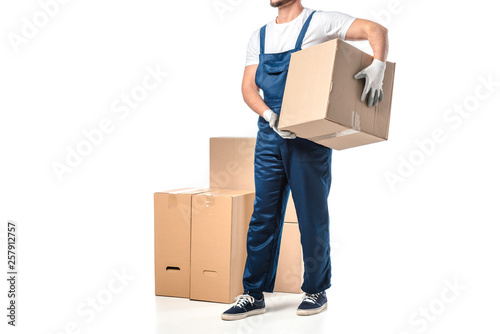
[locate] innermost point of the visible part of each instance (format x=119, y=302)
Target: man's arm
x=376, y=34
x=252, y=98
x=250, y=91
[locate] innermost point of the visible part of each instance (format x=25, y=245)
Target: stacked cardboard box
x=231, y=165
x=200, y=234
x=200, y=242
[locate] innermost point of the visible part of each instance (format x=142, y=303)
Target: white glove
x=374, y=75
x=272, y=118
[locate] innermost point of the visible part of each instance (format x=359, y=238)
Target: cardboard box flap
x=186, y=191
x=226, y=192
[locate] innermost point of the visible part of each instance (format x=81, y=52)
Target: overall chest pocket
x=275, y=67
x=275, y=63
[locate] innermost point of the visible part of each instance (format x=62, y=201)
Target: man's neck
x=289, y=13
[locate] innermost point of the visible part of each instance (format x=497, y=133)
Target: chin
x=281, y=3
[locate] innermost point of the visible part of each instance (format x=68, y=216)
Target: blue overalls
x=280, y=165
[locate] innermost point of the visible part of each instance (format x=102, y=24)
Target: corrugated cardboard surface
x=308, y=85
x=346, y=94
x=290, y=274
x=172, y=240
x=322, y=100
x=290, y=214
x=232, y=164
x=220, y=220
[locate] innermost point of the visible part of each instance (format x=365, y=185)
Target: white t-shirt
x=282, y=37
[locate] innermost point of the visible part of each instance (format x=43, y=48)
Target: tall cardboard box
x=172, y=241
x=231, y=167
x=290, y=274
x=322, y=100
x=220, y=220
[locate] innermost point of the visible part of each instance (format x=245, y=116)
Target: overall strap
x=262, y=39
x=298, y=45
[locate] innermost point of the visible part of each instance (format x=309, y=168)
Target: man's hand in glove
x=272, y=118
x=374, y=75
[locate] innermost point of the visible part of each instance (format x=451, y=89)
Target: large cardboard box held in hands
x=322, y=100
x=172, y=241
x=290, y=274
x=220, y=220
x=232, y=167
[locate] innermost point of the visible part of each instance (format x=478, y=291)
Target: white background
x=396, y=247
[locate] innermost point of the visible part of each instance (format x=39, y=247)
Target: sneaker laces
x=242, y=300
x=311, y=297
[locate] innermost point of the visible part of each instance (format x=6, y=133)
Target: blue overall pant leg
x=271, y=195
x=308, y=167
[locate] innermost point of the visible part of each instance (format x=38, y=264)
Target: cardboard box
x=172, y=241
x=290, y=274
x=220, y=220
x=231, y=163
x=322, y=100
x=290, y=213
x=232, y=167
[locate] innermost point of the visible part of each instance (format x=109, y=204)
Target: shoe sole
x=242, y=315
x=312, y=311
